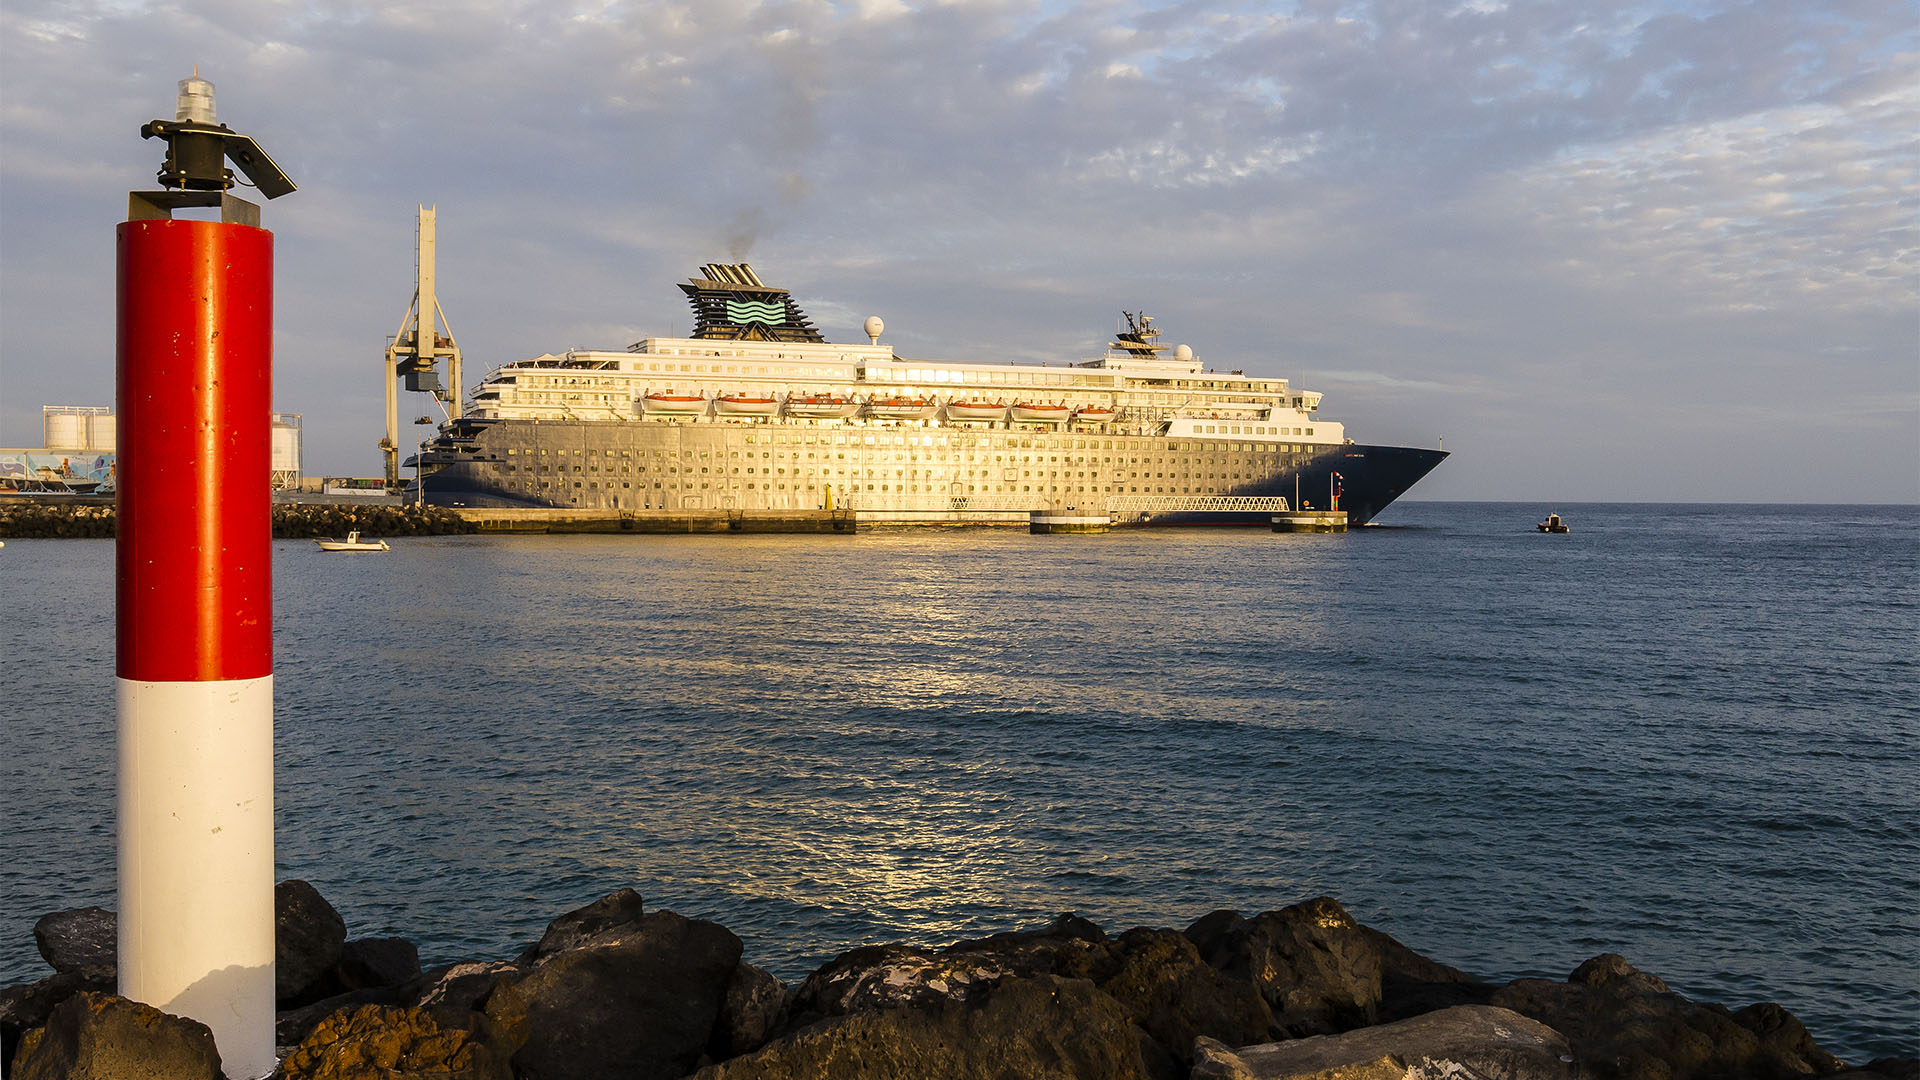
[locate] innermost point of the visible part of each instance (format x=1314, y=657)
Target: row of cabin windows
x=901, y=441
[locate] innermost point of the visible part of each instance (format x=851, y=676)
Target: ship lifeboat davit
x=899, y=408
x=976, y=410
x=1037, y=412
x=745, y=405
x=675, y=404
x=1095, y=414
x=820, y=406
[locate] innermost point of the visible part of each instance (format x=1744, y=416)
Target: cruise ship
x=758, y=411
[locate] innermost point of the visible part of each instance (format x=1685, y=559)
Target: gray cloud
x=1580, y=240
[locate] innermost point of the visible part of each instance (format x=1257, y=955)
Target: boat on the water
x=687, y=423
x=351, y=543
x=1553, y=524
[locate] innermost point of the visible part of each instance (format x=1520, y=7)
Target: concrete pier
x=530, y=520
x=1311, y=521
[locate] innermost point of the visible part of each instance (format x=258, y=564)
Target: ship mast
x=1140, y=338
x=414, y=351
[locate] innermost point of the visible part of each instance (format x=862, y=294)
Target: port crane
x=414, y=352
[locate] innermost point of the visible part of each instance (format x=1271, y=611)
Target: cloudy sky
x=1607, y=251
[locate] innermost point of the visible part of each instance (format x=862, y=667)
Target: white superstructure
x=1148, y=396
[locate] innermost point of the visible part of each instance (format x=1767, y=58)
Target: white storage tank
x=65, y=430
x=103, y=431
x=286, y=449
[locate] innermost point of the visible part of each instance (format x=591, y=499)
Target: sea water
x=1686, y=734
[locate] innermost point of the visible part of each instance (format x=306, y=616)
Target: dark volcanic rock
x=379, y=1043
x=1475, y=1041
x=638, y=1002
x=82, y=937
x=754, y=1008
x=1042, y=1028
x=612, y=914
x=308, y=936
x=101, y=1037
x=1881, y=1068
x=1411, y=984
x=372, y=962
x=464, y=986
x=894, y=976
x=25, y=1007
x=1623, y=1023
x=292, y=1026
x=1175, y=996
x=1318, y=969
x=1782, y=1034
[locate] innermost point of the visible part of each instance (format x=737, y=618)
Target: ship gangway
x=1140, y=505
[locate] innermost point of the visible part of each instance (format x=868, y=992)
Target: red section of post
x=194, y=505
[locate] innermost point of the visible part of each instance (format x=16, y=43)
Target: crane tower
x=415, y=351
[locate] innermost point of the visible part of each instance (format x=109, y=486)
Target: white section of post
x=196, y=859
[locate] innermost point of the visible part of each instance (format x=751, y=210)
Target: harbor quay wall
x=67, y=518
x=544, y=520
x=613, y=989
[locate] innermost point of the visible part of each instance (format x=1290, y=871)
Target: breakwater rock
x=41, y=519
x=615, y=990
x=64, y=519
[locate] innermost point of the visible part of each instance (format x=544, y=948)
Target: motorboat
x=351, y=543
x=1553, y=524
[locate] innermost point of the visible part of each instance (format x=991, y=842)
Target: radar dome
x=1183, y=353
x=875, y=328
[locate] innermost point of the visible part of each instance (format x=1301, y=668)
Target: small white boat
x=1094, y=414
x=351, y=543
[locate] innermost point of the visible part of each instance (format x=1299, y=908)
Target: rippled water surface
x=1686, y=734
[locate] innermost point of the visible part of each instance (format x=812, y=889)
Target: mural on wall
x=43, y=465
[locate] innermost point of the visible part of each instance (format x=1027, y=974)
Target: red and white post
x=194, y=599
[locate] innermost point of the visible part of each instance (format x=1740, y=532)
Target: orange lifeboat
x=976, y=410
x=1095, y=414
x=1035, y=411
x=899, y=408
x=745, y=405
x=680, y=404
x=820, y=406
